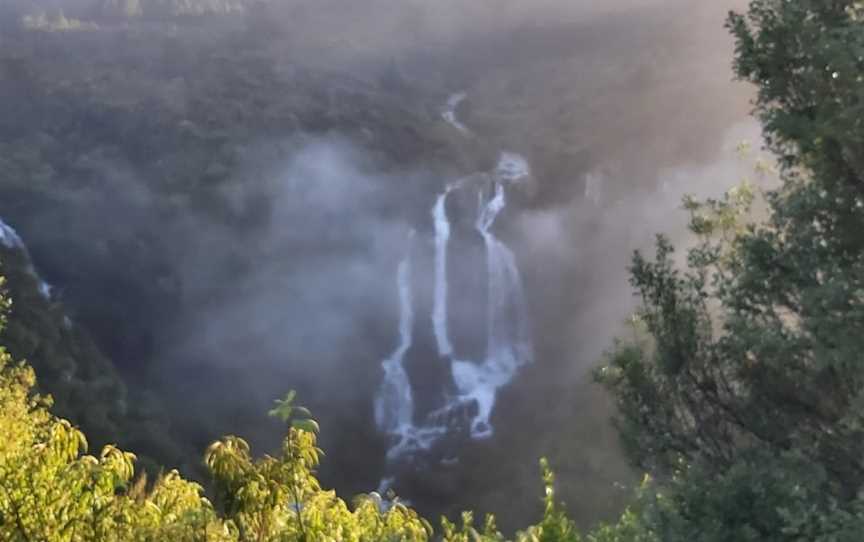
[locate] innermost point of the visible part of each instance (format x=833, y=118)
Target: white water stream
x=10, y=239
x=439, y=310
x=508, y=342
x=449, y=113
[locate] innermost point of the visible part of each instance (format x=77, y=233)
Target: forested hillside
x=737, y=391
x=146, y=164
x=119, y=145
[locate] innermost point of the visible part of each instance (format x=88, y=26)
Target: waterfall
x=10, y=239
x=511, y=168
x=593, y=190
x=394, y=406
x=508, y=344
x=449, y=113
x=439, y=307
x=508, y=341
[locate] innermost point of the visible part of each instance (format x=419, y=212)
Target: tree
x=744, y=393
x=52, y=491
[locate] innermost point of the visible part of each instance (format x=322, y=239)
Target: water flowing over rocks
x=493, y=294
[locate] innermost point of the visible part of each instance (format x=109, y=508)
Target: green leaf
x=308, y=425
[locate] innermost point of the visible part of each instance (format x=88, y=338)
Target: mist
x=281, y=273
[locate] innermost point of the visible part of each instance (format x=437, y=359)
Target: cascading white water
x=394, y=406
x=508, y=342
x=511, y=168
x=10, y=239
x=449, y=113
x=439, y=308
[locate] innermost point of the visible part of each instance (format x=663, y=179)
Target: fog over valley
x=418, y=215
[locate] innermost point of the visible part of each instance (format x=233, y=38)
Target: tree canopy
x=51, y=489
x=743, y=395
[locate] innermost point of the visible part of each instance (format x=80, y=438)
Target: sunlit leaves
x=284, y=408
x=298, y=416
x=50, y=491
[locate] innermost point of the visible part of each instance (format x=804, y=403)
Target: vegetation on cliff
x=52, y=490
x=740, y=392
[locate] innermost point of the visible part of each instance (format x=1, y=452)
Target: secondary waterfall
x=449, y=113
x=508, y=343
x=10, y=239
x=394, y=406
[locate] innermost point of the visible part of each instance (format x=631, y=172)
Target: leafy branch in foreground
x=51, y=490
x=743, y=393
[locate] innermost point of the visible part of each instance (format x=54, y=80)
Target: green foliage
x=165, y=125
x=299, y=417
x=51, y=490
x=806, y=58
x=68, y=363
x=85, y=386
x=742, y=390
x=554, y=527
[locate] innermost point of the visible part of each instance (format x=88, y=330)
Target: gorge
x=422, y=228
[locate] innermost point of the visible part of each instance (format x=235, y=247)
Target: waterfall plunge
x=394, y=405
x=508, y=343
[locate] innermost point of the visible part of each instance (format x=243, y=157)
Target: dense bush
x=743, y=394
x=51, y=490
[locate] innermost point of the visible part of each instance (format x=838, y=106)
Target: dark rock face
x=468, y=294
x=467, y=268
